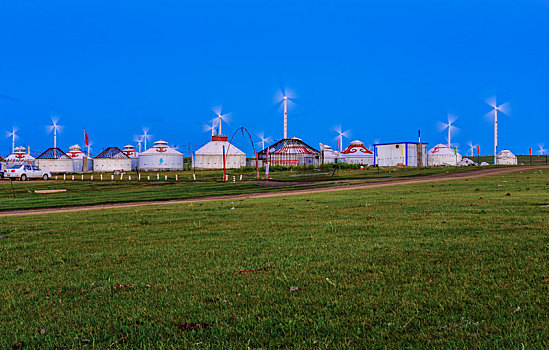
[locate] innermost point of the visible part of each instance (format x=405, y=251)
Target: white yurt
x=55, y=160
x=161, y=157
x=443, y=155
x=130, y=151
x=330, y=156
x=112, y=159
x=19, y=156
x=467, y=162
x=357, y=153
x=210, y=156
x=506, y=157
x=78, y=157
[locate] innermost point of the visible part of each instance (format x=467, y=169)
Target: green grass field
x=22, y=195
x=456, y=264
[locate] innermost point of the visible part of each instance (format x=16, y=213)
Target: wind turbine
x=145, y=136
x=211, y=128
x=139, y=140
x=450, y=126
x=222, y=118
x=55, y=127
x=340, y=135
x=541, y=149
x=13, y=136
x=284, y=97
x=472, y=148
x=503, y=108
x=263, y=139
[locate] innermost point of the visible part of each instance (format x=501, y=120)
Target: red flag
x=337, y=147
x=86, y=139
x=478, y=149
x=530, y=150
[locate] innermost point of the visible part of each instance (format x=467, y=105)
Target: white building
x=19, y=156
x=55, y=160
x=130, y=151
x=210, y=156
x=400, y=154
x=357, y=153
x=443, y=155
x=161, y=157
x=330, y=156
x=112, y=159
x=506, y=157
x=78, y=158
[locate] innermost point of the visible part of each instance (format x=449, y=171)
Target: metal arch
x=241, y=129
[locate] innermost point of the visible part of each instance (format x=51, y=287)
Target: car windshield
x=15, y=166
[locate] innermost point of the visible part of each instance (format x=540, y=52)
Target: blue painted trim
x=406, y=160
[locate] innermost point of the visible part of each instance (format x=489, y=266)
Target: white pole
x=55, y=140
x=213, y=127
x=13, y=142
x=219, y=133
x=145, y=137
x=340, y=142
x=449, y=135
x=285, y=117
x=495, y=135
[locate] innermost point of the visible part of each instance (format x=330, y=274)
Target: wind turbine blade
x=452, y=118
x=505, y=108
x=442, y=126
x=492, y=101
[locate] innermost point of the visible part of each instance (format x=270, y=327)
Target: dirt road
x=383, y=183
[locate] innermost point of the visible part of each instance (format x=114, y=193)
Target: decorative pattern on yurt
x=357, y=153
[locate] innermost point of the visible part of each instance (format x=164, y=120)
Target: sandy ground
x=378, y=183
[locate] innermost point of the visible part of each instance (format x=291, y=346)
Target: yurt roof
x=441, y=150
x=357, y=148
x=290, y=146
x=19, y=155
x=53, y=153
x=75, y=148
x=506, y=153
x=215, y=147
x=112, y=152
x=161, y=148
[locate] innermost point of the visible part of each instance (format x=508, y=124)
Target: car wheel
x=45, y=177
x=23, y=177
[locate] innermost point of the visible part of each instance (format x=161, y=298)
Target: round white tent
x=55, y=160
x=357, y=153
x=210, y=156
x=78, y=157
x=130, y=151
x=442, y=155
x=161, y=157
x=19, y=156
x=112, y=159
x=330, y=156
x=506, y=157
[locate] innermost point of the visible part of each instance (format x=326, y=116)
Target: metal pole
x=219, y=133
x=224, y=169
x=257, y=165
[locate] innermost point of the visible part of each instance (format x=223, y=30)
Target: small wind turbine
x=263, y=139
x=13, y=136
x=541, y=150
x=340, y=135
x=472, y=148
x=503, y=108
x=211, y=128
x=55, y=127
x=221, y=118
x=450, y=126
x=284, y=97
x=145, y=136
x=139, y=140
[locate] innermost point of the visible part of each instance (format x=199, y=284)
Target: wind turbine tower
x=285, y=117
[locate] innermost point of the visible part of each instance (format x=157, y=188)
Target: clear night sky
x=383, y=69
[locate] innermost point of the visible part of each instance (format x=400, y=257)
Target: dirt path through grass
x=334, y=187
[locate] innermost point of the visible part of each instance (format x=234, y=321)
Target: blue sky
x=382, y=69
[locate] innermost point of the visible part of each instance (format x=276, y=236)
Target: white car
x=24, y=172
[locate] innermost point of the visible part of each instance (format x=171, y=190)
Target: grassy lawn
x=87, y=192
x=457, y=264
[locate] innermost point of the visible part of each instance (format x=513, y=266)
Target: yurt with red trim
x=290, y=152
x=19, y=156
x=161, y=157
x=130, y=151
x=78, y=157
x=210, y=156
x=357, y=153
x=442, y=155
x=330, y=156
